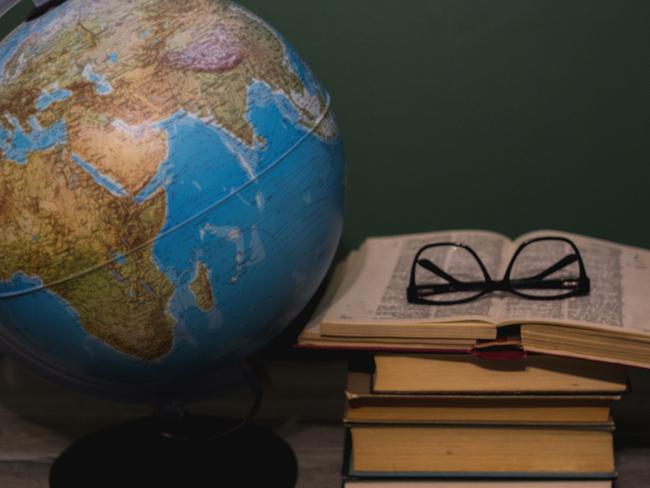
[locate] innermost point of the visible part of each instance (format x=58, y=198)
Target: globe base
x=191, y=451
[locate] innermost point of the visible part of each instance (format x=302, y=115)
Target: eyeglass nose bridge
x=500, y=285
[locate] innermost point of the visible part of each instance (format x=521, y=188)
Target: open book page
x=618, y=299
x=377, y=294
x=343, y=276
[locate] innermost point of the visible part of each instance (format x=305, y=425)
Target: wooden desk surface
x=303, y=404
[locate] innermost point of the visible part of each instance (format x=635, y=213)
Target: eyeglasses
x=544, y=268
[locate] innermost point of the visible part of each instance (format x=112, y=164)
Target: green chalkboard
x=505, y=115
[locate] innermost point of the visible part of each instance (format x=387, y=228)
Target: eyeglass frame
x=582, y=288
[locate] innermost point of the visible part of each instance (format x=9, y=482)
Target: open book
x=366, y=302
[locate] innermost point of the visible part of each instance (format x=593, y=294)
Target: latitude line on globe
x=279, y=159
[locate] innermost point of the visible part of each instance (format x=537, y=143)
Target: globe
x=171, y=189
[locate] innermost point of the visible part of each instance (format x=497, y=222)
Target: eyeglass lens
x=545, y=268
x=448, y=273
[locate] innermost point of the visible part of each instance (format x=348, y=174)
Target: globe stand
x=176, y=453
x=174, y=449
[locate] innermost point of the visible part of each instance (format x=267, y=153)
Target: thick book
x=476, y=484
x=365, y=406
x=311, y=337
x=395, y=451
x=367, y=304
x=537, y=373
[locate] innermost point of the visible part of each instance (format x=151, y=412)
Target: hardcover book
x=385, y=451
x=475, y=484
x=537, y=373
x=365, y=406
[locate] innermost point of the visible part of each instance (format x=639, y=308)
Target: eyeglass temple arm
x=565, y=261
x=562, y=284
x=531, y=282
x=430, y=266
x=437, y=288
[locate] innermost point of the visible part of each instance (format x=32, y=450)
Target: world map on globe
x=171, y=181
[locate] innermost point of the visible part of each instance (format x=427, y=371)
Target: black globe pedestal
x=188, y=451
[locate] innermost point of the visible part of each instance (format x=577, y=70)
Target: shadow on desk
x=303, y=403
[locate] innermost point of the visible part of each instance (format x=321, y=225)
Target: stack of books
x=497, y=391
x=418, y=419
